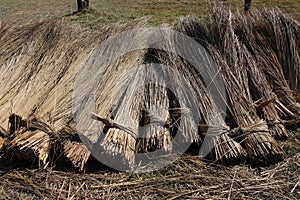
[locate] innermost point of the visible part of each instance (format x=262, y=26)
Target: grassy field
x=186, y=178
x=105, y=12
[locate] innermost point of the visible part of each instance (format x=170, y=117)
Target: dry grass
x=187, y=178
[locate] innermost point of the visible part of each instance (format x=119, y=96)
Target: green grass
x=292, y=145
x=103, y=12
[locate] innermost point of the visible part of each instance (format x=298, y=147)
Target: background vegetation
x=105, y=12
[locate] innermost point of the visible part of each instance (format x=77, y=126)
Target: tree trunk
x=247, y=5
x=87, y=3
x=82, y=4
x=79, y=5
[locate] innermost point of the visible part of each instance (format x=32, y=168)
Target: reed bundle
x=256, y=56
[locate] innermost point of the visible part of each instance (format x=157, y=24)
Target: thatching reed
x=37, y=76
x=273, y=39
x=252, y=96
x=1, y=143
x=275, y=55
x=134, y=107
x=212, y=126
x=3, y=135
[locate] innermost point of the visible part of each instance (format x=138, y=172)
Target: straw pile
x=187, y=178
x=257, y=56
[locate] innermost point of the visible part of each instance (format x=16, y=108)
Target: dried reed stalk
x=231, y=58
x=260, y=88
x=154, y=134
x=257, y=59
x=258, y=141
x=2, y=140
x=272, y=38
x=3, y=132
x=47, y=67
x=219, y=144
x=77, y=153
x=36, y=141
x=3, y=135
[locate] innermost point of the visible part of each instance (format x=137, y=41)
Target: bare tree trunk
x=87, y=3
x=79, y=5
x=247, y=5
x=82, y=4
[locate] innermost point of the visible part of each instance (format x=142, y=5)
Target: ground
x=188, y=177
x=104, y=12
